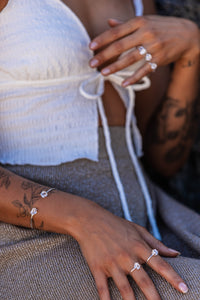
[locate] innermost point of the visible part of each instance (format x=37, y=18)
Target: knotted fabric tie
x=97, y=80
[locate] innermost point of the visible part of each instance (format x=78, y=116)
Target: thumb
x=114, y=22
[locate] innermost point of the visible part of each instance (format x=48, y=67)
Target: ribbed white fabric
x=41, y=112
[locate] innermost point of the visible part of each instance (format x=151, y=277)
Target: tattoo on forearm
x=175, y=153
x=174, y=123
x=31, y=196
x=4, y=179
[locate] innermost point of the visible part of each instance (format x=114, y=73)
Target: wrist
x=192, y=52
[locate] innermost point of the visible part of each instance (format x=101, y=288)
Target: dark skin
x=111, y=244
x=147, y=112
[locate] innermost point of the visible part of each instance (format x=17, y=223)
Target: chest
x=94, y=14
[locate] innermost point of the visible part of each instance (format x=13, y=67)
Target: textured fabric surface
x=46, y=266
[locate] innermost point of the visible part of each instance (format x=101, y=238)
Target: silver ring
x=142, y=50
x=148, y=57
x=153, y=66
x=136, y=267
x=154, y=252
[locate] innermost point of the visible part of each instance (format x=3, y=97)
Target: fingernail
x=174, y=251
x=125, y=83
x=183, y=287
x=105, y=71
x=94, y=62
x=93, y=45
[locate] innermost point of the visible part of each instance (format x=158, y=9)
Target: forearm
x=171, y=130
x=59, y=212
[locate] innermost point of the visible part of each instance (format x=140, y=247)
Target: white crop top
x=50, y=97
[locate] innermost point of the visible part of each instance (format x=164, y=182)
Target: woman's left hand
x=166, y=39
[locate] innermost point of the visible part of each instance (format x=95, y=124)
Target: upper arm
x=3, y=4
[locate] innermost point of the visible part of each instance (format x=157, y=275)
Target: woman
x=49, y=121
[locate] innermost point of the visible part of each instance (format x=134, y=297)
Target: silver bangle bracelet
x=34, y=210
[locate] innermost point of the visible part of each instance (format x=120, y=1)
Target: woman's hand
x=167, y=39
x=112, y=246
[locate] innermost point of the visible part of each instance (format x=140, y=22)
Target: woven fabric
x=45, y=266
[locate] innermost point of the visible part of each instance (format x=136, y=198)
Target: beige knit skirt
x=47, y=266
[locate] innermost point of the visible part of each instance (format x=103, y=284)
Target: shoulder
x=3, y=4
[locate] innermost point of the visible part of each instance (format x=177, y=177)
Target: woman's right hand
x=112, y=245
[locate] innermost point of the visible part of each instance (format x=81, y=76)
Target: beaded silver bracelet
x=34, y=210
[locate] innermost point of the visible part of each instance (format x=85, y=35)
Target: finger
x=123, y=285
x=102, y=285
x=156, y=244
x=145, y=284
x=116, y=33
x=165, y=270
x=115, y=49
x=114, y=22
x=138, y=75
x=123, y=62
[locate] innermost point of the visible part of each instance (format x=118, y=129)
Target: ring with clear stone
x=44, y=194
x=142, y=50
x=33, y=212
x=148, y=57
x=154, y=252
x=137, y=266
x=153, y=66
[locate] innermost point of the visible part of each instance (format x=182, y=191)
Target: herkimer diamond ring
x=154, y=252
x=153, y=66
x=148, y=57
x=136, y=267
x=142, y=50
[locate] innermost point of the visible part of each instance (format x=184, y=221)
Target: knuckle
x=139, y=246
x=142, y=21
x=132, y=57
x=126, y=289
x=157, y=244
x=101, y=290
x=150, y=33
x=118, y=47
x=124, y=255
x=115, y=32
x=130, y=24
x=164, y=267
x=145, y=282
x=110, y=262
x=158, y=44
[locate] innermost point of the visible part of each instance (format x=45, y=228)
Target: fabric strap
x=98, y=80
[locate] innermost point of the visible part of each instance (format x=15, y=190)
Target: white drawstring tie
x=138, y=7
x=98, y=79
